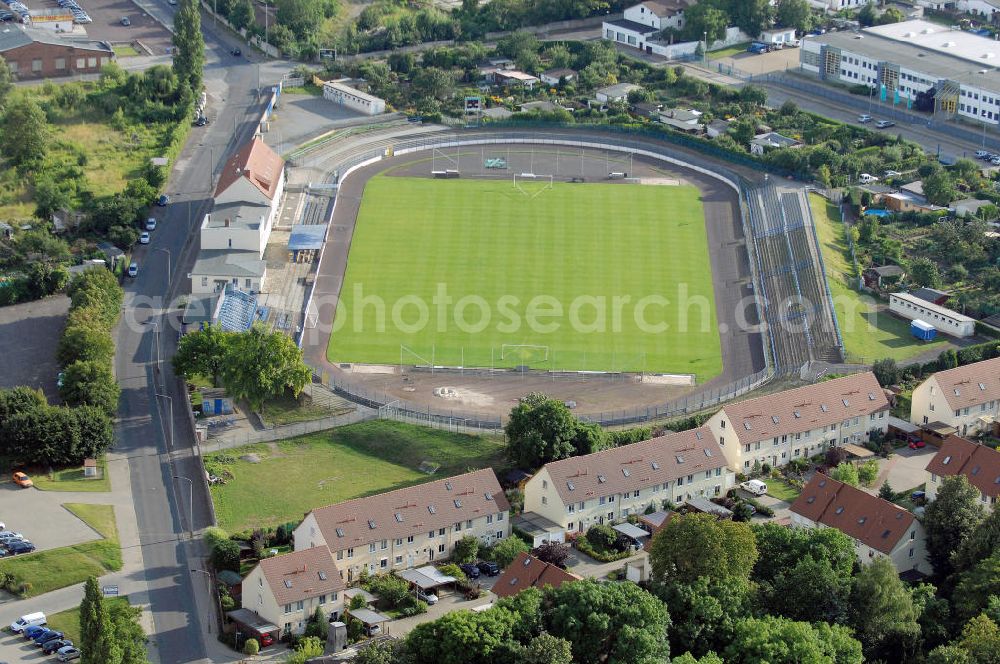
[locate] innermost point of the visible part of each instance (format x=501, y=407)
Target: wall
x=913, y=311
x=258, y=597
x=49, y=56
x=217, y=283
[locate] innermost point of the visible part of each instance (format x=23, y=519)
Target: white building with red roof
x=966, y=398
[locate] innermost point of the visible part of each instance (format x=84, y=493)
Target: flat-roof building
x=910, y=58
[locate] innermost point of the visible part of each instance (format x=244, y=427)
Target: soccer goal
x=532, y=184
x=524, y=354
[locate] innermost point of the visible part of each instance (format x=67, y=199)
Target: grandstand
x=797, y=307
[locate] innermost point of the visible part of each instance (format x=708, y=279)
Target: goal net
x=524, y=354
x=532, y=184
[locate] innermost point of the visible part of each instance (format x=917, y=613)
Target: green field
x=869, y=333
x=599, y=277
x=293, y=476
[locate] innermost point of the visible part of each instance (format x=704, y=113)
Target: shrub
x=390, y=588
x=466, y=550
x=225, y=555
x=451, y=569
x=251, y=647
x=504, y=551
x=602, y=555
x=602, y=536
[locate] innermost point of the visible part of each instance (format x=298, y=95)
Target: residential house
x=235, y=233
x=513, y=78
x=408, y=527
x=647, y=109
x=610, y=485
x=681, y=119
x=527, y=571
x=907, y=201
x=558, y=76
x=615, y=93
x=761, y=143
x=802, y=422
x=966, y=398
x=717, y=127
x=33, y=53
x=837, y=5
x=916, y=190
x=642, y=22
x=968, y=207
x=980, y=465
x=882, y=276
x=286, y=590
x=880, y=529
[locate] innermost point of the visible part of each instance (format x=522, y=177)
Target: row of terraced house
x=419, y=526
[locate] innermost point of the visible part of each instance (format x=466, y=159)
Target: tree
x=868, y=472
x=540, y=430
x=886, y=492
x=546, y=649
x=299, y=16
x=6, y=81
x=794, y=14
x=846, y=472
x=504, y=551
x=466, y=549
x=463, y=637
x=260, y=365
x=225, y=555
x=189, y=45
x=703, y=18
x=433, y=83
x=882, y=613
x=887, y=373
x=607, y=623
x=949, y=520
x=85, y=343
x=698, y=545
x=87, y=382
x=602, y=536
x=251, y=647
x=933, y=615
x=92, y=613
x=241, y=15
x=777, y=640
x=939, y=188
x=704, y=612
x=203, y=352
x=25, y=132
x=811, y=591
x=377, y=652
x=981, y=640
x=976, y=586
x=981, y=544
x=554, y=553
x=924, y=272
x=868, y=15
x=750, y=16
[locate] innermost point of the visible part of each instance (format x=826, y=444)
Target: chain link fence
x=224, y=440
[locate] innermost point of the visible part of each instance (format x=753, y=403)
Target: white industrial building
x=943, y=319
x=909, y=58
x=362, y=102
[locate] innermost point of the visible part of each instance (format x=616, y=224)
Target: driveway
x=33, y=328
x=904, y=470
x=446, y=604
x=41, y=517
x=300, y=117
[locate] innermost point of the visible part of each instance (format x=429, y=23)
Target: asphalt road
x=147, y=337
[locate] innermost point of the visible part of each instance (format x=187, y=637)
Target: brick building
x=33, y=53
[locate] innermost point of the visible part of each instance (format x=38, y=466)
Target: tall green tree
x=541, y=429
x=846, y=472
x=811, y=591
x=189, y=45
x=794, y=14
x=949, y=520
x=25, y=132
x=976, y=586
x=6, y=81
x=261, y=365
x=697, y=545
x=883, y=615
x=925, y=272
x=780, y=548
x=241, y=16
x=87, y=382
x=546, y=649
x=939, y=188
x=774, y=640
x=92, y=613
x=983, y=542
x=886, y=371
x=704, y=613
x=203, y=352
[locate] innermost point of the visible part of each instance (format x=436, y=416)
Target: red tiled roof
x=636, y=466
x=970, y=385
x=809, y=407
x=525, y=572
x=979, y=464
x=412, y=510
x=257, y=163
x=862, y=516
x=307, y=573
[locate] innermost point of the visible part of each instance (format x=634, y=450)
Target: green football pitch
x=564, y=276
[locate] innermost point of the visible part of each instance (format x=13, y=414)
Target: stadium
x=475, y=270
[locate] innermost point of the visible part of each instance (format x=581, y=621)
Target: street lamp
x=208, y=581
x=156, y=332
x=190, y=502
x=167, y=251
x=704, y=54
x=171, y=403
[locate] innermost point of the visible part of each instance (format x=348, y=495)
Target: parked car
x=54, y=645
x=33, y=631
x=201, y=121
x=21, y=547
x=133, y=269
x=756, y=487
x=27, y=621
x=917, y=444
x=9, y=535
x=144, y=237
x=470, y=570
x=22, y=480
x=884, y=124
x=981, y=154
x=68, y=654
x=918, y=496
x=428, y=597
x=864, y=118
x=266, y=640
x=126, y=21
x=151, y=224
x=163, y=200
x=488, y=568
x=45, y=637
x=892, y=174
x=237, y=52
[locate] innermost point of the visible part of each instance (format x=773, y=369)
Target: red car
x=917, y=444
x=266, y=640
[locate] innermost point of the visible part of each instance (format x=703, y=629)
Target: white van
x=756, y=487
x=28, y=620
x=867, y=178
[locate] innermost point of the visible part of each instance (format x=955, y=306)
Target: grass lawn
x=579, y=276
x=309, y=89
x=66, y=566
x=72, y=479
x=68, y=622
x=729, y=52
x=298, y=474
x=869, y=333
x=782, y=490
x=289, y=410
x=124, y=50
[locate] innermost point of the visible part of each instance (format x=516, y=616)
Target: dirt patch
x=464, y=396
x=251, y=458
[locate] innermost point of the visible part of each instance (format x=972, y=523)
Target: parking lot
x=301, y=117
x=33, y=329
x=107, y=25
x=41, y=517
x=780, y=60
